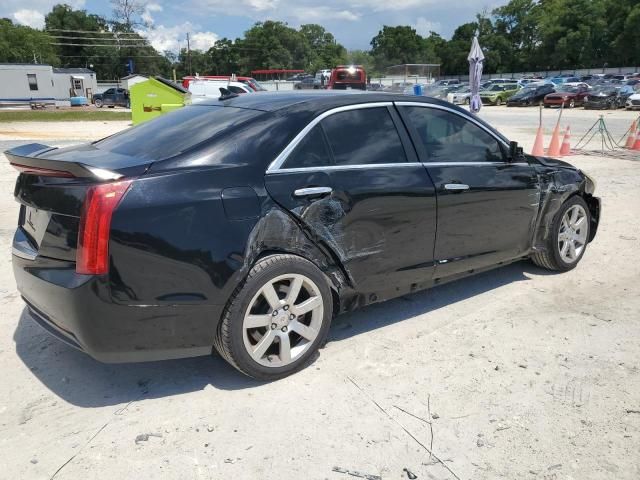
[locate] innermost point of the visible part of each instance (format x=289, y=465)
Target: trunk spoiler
x=38, y=159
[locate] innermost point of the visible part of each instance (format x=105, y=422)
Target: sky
x=353, y=22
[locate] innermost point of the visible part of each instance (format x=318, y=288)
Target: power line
x=94, y=45
x=90, y=31
x=102, y=39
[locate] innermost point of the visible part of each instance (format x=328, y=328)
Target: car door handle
x=456, y=187
x=312, y=191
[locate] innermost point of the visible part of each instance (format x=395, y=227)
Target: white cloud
x=424, y=26
x=164, y=38
x=149, y=8
x=31, y=18
x=320, y=12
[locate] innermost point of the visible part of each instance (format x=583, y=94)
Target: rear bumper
x=78, y=310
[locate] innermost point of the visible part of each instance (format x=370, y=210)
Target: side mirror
x=516, y=152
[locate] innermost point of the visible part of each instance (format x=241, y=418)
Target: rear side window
x=311, y=152
x=365, y=136
x=448, y=137
x=176, y=132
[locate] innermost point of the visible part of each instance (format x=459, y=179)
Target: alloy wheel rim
x=283, y=320
x=572, y=237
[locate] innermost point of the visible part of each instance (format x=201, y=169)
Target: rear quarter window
x=176, y=132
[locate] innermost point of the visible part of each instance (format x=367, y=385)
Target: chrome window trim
x=358, y=166
x=403, y=164
x=456, y=112
x=282, y=157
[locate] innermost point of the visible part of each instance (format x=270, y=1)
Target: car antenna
x=226, y=94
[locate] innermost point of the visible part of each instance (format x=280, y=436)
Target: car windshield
x=496, y=88
x=177, y=132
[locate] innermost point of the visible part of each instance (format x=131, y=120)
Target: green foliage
x=19, y=44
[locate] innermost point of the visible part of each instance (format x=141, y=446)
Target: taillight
x=92, y=256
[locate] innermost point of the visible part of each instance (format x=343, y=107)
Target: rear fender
x=278, y=232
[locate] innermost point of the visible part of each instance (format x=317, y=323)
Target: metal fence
x=553, y=73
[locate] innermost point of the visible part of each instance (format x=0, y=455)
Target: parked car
x=446, y=82
x=624, y=92
x=568, y=95
x=375, y=87
x=348, y=77
x=564, y=79
x=202, y=90
x=306, y=84
x=112, y=97
x=633, y=102
x=285, y=209
x=498, y=93
x=251, y=82
x=460, y=97
x=532, y=94
x=502, y=80
x=603, y=97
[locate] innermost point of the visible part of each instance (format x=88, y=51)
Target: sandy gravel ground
x=515, y=374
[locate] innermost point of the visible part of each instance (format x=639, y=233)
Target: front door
x=355, y=183
x=487, y=205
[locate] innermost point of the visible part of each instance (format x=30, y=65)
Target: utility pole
x=189, y=55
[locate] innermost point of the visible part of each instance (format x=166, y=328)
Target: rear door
x=486, y=205
x=352, y=178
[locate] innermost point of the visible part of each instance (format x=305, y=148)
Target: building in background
x=44, y=86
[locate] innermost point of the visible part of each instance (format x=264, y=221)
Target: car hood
x=521, y=95
x=562, y=94
x=635, y=96
x=601, y=95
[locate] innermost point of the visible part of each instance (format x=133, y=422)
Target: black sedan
x=247, y=224
x=603, y=98
x=530, y=95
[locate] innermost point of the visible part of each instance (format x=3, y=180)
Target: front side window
x=447, y=137
x=366, y=136
x=33, y=81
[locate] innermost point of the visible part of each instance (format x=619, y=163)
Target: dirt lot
x=515, y=373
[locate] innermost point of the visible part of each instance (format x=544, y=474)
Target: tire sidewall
x=288, y=265
x=562, y=265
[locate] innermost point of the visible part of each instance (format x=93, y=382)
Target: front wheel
x=568, y=237
x=572, y=103
x=498, y=102
x=276, y=321
x=98, y=103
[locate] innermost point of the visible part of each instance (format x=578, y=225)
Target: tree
x=20, y=44
x=127, y=12
x=324, y=50
x=397, y=45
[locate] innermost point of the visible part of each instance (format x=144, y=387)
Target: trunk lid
x=51, y=190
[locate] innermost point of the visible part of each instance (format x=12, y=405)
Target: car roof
x=316, y=101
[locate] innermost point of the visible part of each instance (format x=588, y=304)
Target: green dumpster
x=155, y=96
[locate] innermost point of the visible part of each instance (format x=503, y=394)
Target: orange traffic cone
x=636, y=145
x=566, y=142
x=631, y=139
x=554, y=145
x=538, y=145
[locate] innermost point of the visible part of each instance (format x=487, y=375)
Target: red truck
x=347, y=77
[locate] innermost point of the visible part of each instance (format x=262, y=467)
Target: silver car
x=460, y=97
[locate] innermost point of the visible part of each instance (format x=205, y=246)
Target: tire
x=498, y=101
x=552, y=258
x=235, y=341
x=98, y=103
x=572, y=103
x=467, y=101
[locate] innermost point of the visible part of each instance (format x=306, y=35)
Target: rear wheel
x=568, y=238
x=572, y=103
x=276, y=321
x=98, y=103
x=498, y=101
